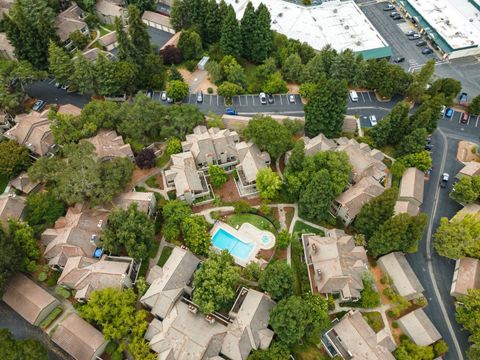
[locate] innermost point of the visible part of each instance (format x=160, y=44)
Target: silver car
x=263, y=98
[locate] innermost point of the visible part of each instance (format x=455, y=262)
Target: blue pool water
x=223, y=240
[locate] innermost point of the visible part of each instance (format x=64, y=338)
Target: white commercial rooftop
x=340, y=24
x=456, y=21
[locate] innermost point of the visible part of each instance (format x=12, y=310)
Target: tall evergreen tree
x=262, y=38
x=248, y=26
x=29, y=26
x=212, y=23
x=231, y=39
x=179, y=15
x=60, y=63
x=84, y=76
x=139, y=37
x=125, y=47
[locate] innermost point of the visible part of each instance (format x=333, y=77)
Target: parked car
x=444, y=181
x=58, y=85
x=149, y=93
x=373, y=120
x=410, y=32
x=427, y=51
x=415, y=37
x=263, y=98
x=399, y=59
x=230, y=111
x=421, y=43
x=462, y=99
x=163, y=96
x=169, y=100
x=39, y=105
x=397, y=17
x=449, y=113
x=388, y=7
x=65, y=87
x=394, y=13
x=442, y=112
x=428, y=147
x=353, y=95
x=291, y=98
x=270, y=98
x=465, y=117
x=199, y=97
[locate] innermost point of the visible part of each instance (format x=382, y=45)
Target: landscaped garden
x=302, y=228
x=260, y=222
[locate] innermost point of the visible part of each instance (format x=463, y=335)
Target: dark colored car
x=415, y=37
x=428, y=147
x=427, y=51
x=397, y=17
x=410, y=32
x=421, y=43
x=394, y=13
x=449, y=113
x=399, y=59
x=270, y=98
x=39, y=105
x=231, y=111
x=465, y=117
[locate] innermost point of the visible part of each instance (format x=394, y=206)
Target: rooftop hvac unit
x=93, y=239
x=210, y=319
x=192, y=309
x=346, y=27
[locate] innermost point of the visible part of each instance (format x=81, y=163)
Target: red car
x=465, y=117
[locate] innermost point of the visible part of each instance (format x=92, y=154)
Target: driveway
x=21, y=329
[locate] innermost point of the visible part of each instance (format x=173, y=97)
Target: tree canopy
x=408, y=350
x=14, y=158
x=129, y=229
x=467, y=314
x=27, y=349
x=466, y=190
x=277, y=280
x=42, y=210
x=458, y=237
x=79, y=176
x=218, y=176
x=196, y=235
x=215, y=282
x=268, y=183
x=174, y=212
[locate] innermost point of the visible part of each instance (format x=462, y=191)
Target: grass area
x=154, y=249
x=301, y=284
x=289, y=217
x=152, y=182
x=388, y=150
x=51, y=317
x=3, y=182
x=374, y=319
x=301, y=227
x=308, y=351
x=256, y=220
x=103, y=31
x=162, y=160
x=166, y=252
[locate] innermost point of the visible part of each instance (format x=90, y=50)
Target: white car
x=163, y=96
x=444, y=181
x=263, y=98
x=291, y=98
x=353, y=95
x=373, y=120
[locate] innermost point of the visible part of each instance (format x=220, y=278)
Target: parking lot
x=393, y=31
x=472, y=124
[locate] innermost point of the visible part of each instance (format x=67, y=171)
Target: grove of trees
x=27, y=349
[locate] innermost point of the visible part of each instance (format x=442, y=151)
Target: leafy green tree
x=440, y=348
x=262, y=36
x=79, y=176
x=369, y=297
x=283, y=239
x=179, y=15
x=458, y=237
x=174, y=213
x=60, y=63
x=177, y=90
x=289, y=319
x=474, y=106
x=84, y=77
x=467, y=313
x=242, y=207
x=139, y=348
x=318, y=319
x=114, y=311
x=130, y=229
x=275, y=84
x=344, y=66
x=174, y=146
x=400, y=233
x=325, y=111
x=190, y=44
x=307, y=90
x=248, y=26
x=276, y=351
x=214, y=71
x=277, y=280
x=393, y=127
x=142, y=5
x=234, y=73
x=292, y=68
x=448, y=87
x=421, y=160
x=408, y=350
x=79, y=40
x=215, y=283
x=14, y=158
x=427, y=115
x=228, y=89
x=387, y=79
x=21, y=349
x=196, y=235
x=42, y=210
x=218, y=176
x=315, y=200
x=413, y=142
x=374, y=213
x=268, y=183
x=297, y=157
x=30, y=26
x=19, y=251
x=126, y=50
x=231, y=38
x=269, y=135
x=466, y=190
x=420, y=81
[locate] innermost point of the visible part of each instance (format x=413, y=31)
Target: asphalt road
x=21, y=329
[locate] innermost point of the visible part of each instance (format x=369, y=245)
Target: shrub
x=395, y=325
x=117, y=355
x=174, y=146
x=61, y=291
x=210, y=90
x=252, y=271
x=391, y=314
x=331, y=302
x=374, y=319
x=421, y=301
x=385, y=280
x=42, y=276
x=111, y=347
x=283, y=239
x=440, y=348
x=191, y=65
x=51, y=317
x=242, y=207
x=215, y=215
x=145, y=159
x=152, y=182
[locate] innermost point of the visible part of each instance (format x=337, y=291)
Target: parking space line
x=211, y=96
x=253, y=99
x=476, y=123
x=363, y=98
x=453, y=114
x=224, y=102
x=281, y=101
x=217, y=100
x=369, y=98
x=460, y=118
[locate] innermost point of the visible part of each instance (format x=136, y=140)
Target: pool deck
x=248, y=234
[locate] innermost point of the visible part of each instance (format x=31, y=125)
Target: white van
x=353, y=95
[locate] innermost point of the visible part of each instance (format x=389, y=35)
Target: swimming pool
x=223, y=240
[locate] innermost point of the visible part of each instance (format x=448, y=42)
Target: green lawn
x=166, y=252
x=256, y=220
x=3, y=182
x=308, y=351
x=162, y=160
x=152, y=182
x=303, y=228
